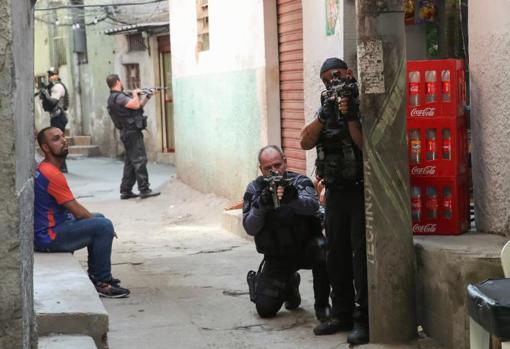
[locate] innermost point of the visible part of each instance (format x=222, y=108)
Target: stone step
x=79, y=140
x=232, y=221
x=85, y=150
x=66, y=342
x=65, y=301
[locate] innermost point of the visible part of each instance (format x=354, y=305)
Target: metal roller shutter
x=290, y=46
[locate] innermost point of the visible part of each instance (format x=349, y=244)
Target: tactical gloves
x=289, y=194
x=328, y=108
x=266, y=198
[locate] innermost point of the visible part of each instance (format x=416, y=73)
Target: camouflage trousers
x=135, y=162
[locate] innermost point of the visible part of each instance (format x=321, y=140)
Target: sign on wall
x=332, y=17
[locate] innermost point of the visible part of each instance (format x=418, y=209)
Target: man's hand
x=328, y=108
x=289, y=195
x=266, y=197
x=349, y=108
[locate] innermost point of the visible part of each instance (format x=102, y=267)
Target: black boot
x=359, y=334
x=322, y=312
x=333, y=325
x=293, y=297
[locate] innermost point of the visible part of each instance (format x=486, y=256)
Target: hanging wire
x=98, y=5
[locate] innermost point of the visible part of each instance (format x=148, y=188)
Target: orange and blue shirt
x=51, y=192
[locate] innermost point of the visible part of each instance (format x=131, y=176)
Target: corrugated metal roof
x=156, y=27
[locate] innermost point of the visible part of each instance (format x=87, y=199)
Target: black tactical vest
x=285, y=232
x=124, y=118
x=339, y=161
x=64, y=103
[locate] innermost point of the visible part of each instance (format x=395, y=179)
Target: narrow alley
x=187, y=275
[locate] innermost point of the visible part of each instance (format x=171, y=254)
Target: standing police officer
x=336, y=133
x=126, y=112
x=55, y=100
x=289, y=236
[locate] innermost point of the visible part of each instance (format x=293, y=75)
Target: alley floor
x=186, y=274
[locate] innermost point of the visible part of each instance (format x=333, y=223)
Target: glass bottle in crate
x=445, y=86
x=431, y=203
x=431, y=144
x=415, y=146
x=414, y=88
x=447, y=203
x=447, y=144
x=416, y=204
x=430, y=83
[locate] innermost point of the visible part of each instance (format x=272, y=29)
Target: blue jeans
x=96, y=234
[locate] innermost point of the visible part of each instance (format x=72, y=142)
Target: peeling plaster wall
x=489, y=49
x=17, y=320
x=225, y=99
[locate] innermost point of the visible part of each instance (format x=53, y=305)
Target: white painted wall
x=489, y=49
x=236, y=37
x=318, y=46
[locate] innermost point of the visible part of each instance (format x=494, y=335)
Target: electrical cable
x=98, y=5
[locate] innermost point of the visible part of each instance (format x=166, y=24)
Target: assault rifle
x=275, y=180
x=149, y=90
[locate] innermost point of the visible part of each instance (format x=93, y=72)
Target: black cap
x=333, y=63
x=52, y=71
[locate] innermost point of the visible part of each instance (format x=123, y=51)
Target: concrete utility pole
x=390, y=255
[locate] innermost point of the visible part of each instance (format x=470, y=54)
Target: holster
x=252, y=278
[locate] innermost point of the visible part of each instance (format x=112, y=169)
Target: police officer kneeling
x=289, y=236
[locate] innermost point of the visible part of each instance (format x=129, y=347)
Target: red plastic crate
x=437, y=147
x=442, y=208
x=420, y=103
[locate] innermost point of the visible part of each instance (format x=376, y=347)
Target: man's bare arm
x=134, y=102
x=356, y=133
x=78, y=211
x=310, y=134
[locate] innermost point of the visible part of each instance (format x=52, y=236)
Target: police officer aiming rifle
x=279, y=211
x=126, y=111
x=336, y=134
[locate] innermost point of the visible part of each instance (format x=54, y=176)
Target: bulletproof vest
x=285, y=232
x=63, y=101
x=124, y=118
x=339, y=161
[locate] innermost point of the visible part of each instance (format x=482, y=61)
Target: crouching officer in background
x=336, y=133
x=126, y=112
x=279, y=211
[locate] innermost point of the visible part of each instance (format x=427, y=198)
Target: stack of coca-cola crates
x=438, y=150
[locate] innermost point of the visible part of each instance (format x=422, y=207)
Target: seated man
x=289, y=236
x=61, y=224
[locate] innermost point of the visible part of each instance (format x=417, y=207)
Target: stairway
x=81, y=147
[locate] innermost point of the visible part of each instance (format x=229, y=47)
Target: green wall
x=217, y=131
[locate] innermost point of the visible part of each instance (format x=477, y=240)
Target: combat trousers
x=135, y=162
x=346, y=260
x=276, y=278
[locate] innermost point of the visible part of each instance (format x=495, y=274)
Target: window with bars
x=202, y=25
x=132, y=76
x=136, y=42
x=59, y=50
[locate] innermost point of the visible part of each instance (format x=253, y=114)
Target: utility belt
x=336, y=169
x=135, y=123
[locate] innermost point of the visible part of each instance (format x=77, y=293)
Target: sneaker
x=359, y=334
x=107, y=290
x=112, y=281
x=294, y=298
x=128, y=195
x=148, y=193
x=333, y=325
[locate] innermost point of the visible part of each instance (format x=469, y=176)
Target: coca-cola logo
x=426, y=112
x=423, y=171
x=424, y=228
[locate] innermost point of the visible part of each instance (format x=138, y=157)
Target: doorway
x=165, y=76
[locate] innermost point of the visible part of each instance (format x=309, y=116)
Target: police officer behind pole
x=126, y=112
x=55, y=100
x=336, y=134
x=280, y=215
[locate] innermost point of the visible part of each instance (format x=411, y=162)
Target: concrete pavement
x=187, y=275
